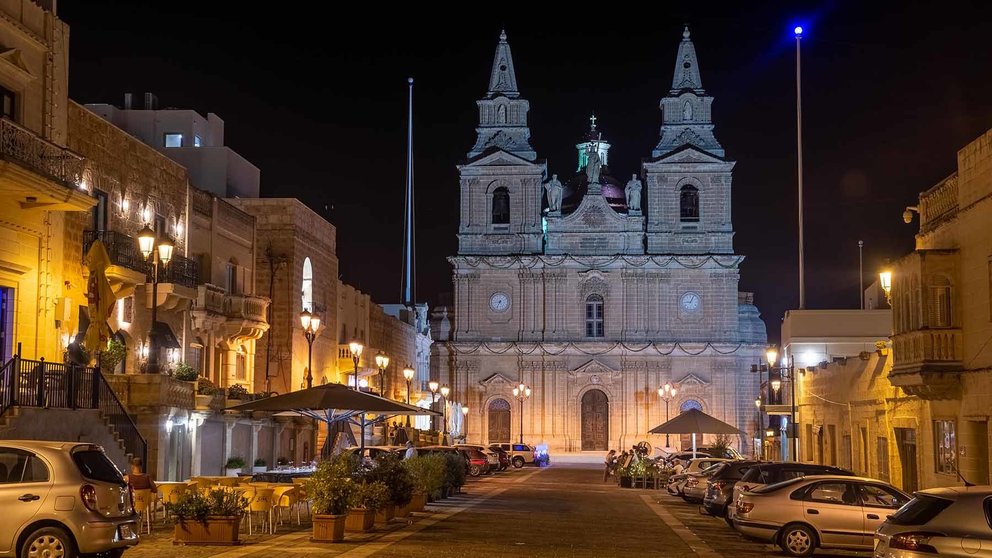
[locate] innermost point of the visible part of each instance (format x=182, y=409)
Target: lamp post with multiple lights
x=408, y=374
x=382, y=362
x=445, y=390
x=786, y=372
x=356, y=349
x=465, y=422
x=433, y=385
x=160, y=249
x=311, y=325
x=667, y=392
x=521, y=392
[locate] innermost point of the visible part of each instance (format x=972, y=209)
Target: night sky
x=317, y=100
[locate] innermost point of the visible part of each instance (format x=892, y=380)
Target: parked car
x=727, y=453
x=696, y=465
x=371, y=452
x=720, y=486
x=694, y=488
x=37, y=479
x=771, y=473
x=433, y=450
x=520, y=454
x=478, y=460
x=502, y=456
x=817, y=511
x=955, y=521
x=492, y=458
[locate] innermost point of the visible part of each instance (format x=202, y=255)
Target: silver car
x=818, y=511
x=697, y=465
x=954, y=521
x=62, y=499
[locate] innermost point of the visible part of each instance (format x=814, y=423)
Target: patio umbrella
x=332, y=403
x=694, y=422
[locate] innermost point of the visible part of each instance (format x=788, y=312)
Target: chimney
x=151, y=102
x=127, y=101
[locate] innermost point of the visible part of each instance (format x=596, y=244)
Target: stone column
x=229, y=424
x=256, y=427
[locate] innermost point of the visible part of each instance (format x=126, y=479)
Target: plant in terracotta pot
x=427, y=474
x=234, y=466
x=367, y=499
x=213, y=518
x=387, y=469
x=330, y=489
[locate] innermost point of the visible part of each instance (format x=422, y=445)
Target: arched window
x=594, y=316
x=307, y=289
x=690, y=404
x=501, y=206
x=689, y=204
x=241, y=364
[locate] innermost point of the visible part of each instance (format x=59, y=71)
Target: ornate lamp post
x=444, y=412
x=408, y=374
x=311, y=324
x=885, y=281
x=161, y=251
x=465, y=422
x=382, y=361
x=356, y=348
x=433, y=385
x=521, y=392
x=667, y=393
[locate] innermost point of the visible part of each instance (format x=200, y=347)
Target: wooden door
x=906, y=442
x=499, y=421
x=595, y=421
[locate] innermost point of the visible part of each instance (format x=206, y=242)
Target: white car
x=675, y=482
x=955, y=521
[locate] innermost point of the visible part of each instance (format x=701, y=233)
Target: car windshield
x=777, y=486
x=713, y=468
x=93, y=464
x=920, y=510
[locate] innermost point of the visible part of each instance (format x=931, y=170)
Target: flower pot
x=386, y=514
x=233, y=472
x=360, y=519
x=403, y=511
x=626, y=482
x=203, y=401
x=417, y=502
x=261, y=469
x=215, y=530
x=328, y=528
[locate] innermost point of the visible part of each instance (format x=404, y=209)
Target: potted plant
x=367, y=498
x=185, y=372
x=330, y=489
x=234, y=466
x=112, y=356
x=213, y=518
x=259, y=466
x=454, y=474
x=389, y=471
x=205, y=392
x=427, y=474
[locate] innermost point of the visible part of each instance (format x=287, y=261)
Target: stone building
x=595, y=294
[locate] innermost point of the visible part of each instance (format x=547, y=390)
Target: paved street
x=561, y=511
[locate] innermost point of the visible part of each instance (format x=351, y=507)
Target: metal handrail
x=19, y=144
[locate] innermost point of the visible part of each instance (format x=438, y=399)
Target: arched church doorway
x=595, y=421
x=686, y=439
x=499, y=421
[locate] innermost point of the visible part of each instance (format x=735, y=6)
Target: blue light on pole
x=798, y=31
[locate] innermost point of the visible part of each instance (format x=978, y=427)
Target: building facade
x=596, y=292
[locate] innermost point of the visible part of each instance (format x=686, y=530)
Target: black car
x=720, y=486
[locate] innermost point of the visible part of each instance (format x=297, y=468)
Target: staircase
x=53, y=401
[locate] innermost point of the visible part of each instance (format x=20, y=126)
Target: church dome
x=577, y=187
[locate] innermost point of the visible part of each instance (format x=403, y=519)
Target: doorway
x=6, y=324
x=906, y=442
x=499, y=421
x=595, y=421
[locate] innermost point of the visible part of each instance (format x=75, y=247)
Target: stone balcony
x=927, y=362
x=246, y=316
x=38, y=174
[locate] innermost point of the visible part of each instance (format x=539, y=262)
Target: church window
x=307, y=287
x=501, y=114
x=501, y=206
x=687, y=111
x=690, y=404
x=594, y=316
x=689, y=204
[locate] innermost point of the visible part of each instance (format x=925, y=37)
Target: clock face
x=499, y=302
x=690, y=302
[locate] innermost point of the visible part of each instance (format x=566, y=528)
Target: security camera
x=907, y=216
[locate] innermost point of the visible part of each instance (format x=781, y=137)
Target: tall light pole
x=465, y=422
x=356, y=348
x=311, y=324
x=760, y=454
x=160, y=249
x=667, y=393
x=445, y=390
x=788, y=373
x=771, y=356
x=861, y=272
x=408, y=374
x=433, y=385
x=799, y=150
x=382, y=362
x=521, y=392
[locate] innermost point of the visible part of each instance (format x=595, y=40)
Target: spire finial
x=502, y=80
x=685, y=32
x=502, y=36
x=592, y=122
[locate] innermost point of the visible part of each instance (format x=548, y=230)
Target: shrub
x=370, y=495
x=454, y=470
x=427, y=473
x=235, y=463
x=388, y=469
x=237, y=391
x=194, y=506
x=205, y=387
x=260, y=462
x=720, y=446
x=331, y=487
x=185, y=372
x=112, y=356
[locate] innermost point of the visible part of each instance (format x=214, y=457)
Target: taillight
x=691, y=481
x=717, y=485
x=746, y=488
x=88, y=495
x=744, y=507
x=915, y=541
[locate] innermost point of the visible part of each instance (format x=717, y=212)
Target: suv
x=520, y=454
x=492, y=457
x=720, y=487
x=63, y=499
x=771, y=473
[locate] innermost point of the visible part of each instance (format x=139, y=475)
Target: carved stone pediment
x=593, y=281
x=594, y=369
x=498, y=380
x=692, y=380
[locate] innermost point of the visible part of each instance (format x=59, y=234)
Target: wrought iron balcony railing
x=123, y=249
x=23, y=146
x=181, y=271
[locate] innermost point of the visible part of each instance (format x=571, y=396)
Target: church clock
x=499, y=302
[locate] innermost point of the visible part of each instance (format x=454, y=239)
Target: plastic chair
x=261, y=502
x=302, y=498
x=169, y=494
x=143, y=507
x=286, y=498
x=203, y=484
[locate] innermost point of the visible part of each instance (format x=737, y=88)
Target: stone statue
x=593, y=167
x=633, y=191
x=554, y=188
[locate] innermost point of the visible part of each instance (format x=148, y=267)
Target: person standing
x=610, y=461
x=411, y=451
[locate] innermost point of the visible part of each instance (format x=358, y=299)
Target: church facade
x=596, y=292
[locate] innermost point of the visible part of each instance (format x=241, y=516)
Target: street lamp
x=356, y=348
x=433, y=385
x=761, y=430
x=465, y=422
x=382, y=362
x=788, y=373
x=885, y=280
x=521, y=392
x=445, y=390
x=667, y=393
x=311, y=324
x=162, y=248
x=408, y=374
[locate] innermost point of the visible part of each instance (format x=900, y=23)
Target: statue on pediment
x=554, y=189
x=633, y=191
x=594, y=167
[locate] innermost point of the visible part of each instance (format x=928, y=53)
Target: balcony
x=927, y=362
x=245, y=316
x=207, y=313
x=180, y=271
x=38, y=174
x=128, y=267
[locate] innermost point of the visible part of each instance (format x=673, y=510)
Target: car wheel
x=727, y=516
x=474, y=470
x=48, y=542
x=518, y=462
x=797, y=540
